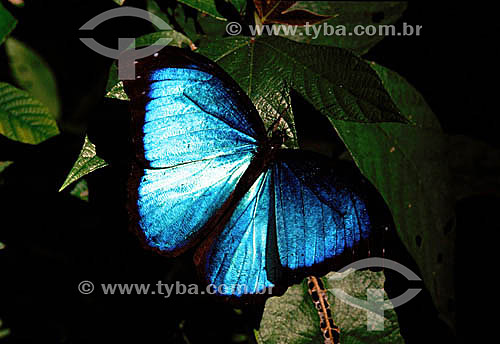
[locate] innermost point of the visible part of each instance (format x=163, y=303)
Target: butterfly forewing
x=195, y=133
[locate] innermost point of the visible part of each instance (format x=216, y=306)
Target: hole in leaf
x=450, y=225
x=418, y=240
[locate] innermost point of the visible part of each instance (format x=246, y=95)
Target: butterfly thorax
x=266, y=152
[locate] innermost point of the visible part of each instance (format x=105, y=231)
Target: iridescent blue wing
x=302, y=216
x=321, y=210
x=236, y=260
x=195, y=132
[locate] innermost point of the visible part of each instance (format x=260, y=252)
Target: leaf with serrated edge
x=335, y=81
x=86, y=163
x=345, y=16
x=23, y=118
x=278, y=11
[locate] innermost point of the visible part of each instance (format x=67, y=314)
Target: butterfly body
x=207, y=176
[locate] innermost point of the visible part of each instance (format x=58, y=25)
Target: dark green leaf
x=209, y=7
x=86, y=163
x=345, y=17
x=114, y=87
x=292, y=318
x=33, y=74
x=407, y=164
x=81, y=190
x=7, y=23
x=177, y=39
x=194, y=25
x=4, y=165
x=278, y=11
x=338, y=83
x=23, y=118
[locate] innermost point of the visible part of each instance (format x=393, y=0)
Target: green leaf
x=475, y=167
x=4, y=332
x=119, y=2
x=117, y=92
x=336, y=82
x=33, y=74
x=81, y=190
x=209, y=7
x=407, y=164
x=356, y=323
x=23, y=118
x=4, y=165
x=345, y=17
x=198, y=25
x=292, y=318
x=277, y=11
x=177, y=39
x=113, y=83
x=86, y=163
x=7, y=23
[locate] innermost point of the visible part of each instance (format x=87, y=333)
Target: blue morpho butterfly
x=206, y=176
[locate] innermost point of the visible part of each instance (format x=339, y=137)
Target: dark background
x=54, y=240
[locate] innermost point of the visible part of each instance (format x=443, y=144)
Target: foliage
x=86, y=163
x=23, y=118
x=387, y=127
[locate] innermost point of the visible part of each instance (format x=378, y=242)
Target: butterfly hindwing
x=238, y=259
x=195, y=132
x=301, y=215
x=321, y=210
